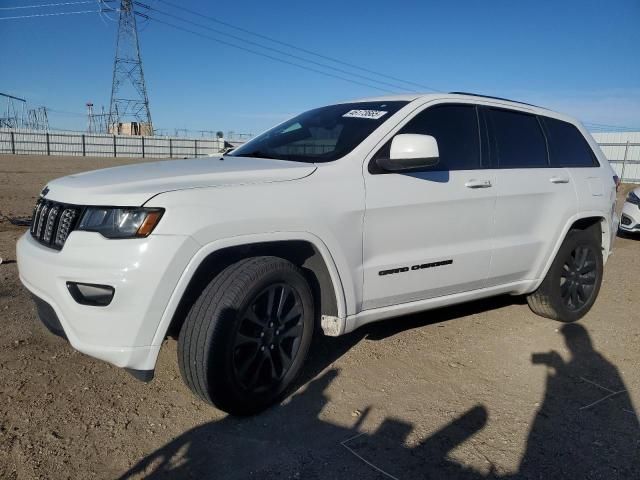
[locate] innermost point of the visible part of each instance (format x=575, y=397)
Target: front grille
x=52, y=222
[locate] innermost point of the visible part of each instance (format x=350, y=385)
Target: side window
x=567, y=146
x=518, y=139
x=455, y=128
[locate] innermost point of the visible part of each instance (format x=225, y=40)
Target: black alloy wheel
x=268, y=337
x=246, y=338
x=571, y=285
x=578, y=278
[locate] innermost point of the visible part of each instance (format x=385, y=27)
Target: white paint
x=500, y=229
x=632, y=211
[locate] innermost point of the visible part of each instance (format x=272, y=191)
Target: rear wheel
x=572, y=283
x=246, y=337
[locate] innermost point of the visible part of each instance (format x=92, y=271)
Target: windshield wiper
x=256, y=154
x=261, y=154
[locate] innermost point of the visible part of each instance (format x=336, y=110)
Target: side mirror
x=411, y=151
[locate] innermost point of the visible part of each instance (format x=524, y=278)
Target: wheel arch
x=304, y=250
x=584, y=221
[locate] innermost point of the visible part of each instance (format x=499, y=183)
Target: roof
x=471, y=97
x=408, y=97
x=478, y=95
x=474, y=98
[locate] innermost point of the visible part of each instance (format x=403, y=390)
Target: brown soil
x=452, y=393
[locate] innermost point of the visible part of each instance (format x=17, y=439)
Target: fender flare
x=240, y=240
x=565, y=231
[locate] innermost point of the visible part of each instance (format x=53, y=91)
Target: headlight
x=122, y=222
x=633, y=198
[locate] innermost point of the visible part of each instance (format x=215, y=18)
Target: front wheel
x=572, y=283
x=246, y=337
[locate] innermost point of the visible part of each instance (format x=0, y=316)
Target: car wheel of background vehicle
x=246, y=337
x=572, y=283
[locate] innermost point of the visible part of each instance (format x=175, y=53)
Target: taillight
x=616, y=180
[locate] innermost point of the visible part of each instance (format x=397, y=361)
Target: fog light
x=90, y=294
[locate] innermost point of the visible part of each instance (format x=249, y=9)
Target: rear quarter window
x=567, y=146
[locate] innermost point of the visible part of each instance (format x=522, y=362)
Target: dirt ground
x=482, y=390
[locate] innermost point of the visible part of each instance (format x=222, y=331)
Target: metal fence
x=18, y=141
x=622, y=149
x=624, y=158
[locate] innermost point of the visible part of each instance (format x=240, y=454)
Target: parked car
x=630, y=218
x=341, y=216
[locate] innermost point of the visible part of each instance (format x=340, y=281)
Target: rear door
x=429, y=233
x=568, y=149
x=534, y=199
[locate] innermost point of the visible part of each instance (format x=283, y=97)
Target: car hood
x=133, y=185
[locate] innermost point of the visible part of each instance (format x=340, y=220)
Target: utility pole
x=129, y=101
x=91, y=125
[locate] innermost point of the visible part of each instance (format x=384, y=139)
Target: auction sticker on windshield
x=372, y=114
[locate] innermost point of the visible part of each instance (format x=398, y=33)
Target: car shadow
x=437, y=176
x=586, y=426
x=293, y=441
x=387, y=328
x=628, y=235
x=326, y=350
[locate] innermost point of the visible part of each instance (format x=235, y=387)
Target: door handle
x=477, y=183
x=559, y=179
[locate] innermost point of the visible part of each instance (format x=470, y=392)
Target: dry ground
x=453, y=393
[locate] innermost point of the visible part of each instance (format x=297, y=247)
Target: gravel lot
x=482, y=390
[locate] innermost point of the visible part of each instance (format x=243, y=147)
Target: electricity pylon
x=37, y=118
x=129, y=100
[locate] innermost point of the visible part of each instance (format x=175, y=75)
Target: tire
x=246, y=337
x=571, y=285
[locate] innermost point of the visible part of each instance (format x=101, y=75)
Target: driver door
x=429, y=233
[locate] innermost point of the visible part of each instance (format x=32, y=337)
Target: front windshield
x=320, y=135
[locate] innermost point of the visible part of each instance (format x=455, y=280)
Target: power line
x=255, y=52
x=64, y=112
x=49, y=14
x=295, y=47
x=42, y=5
x=275, y=50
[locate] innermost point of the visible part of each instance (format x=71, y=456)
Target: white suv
x=341, y=216
x=630, y=221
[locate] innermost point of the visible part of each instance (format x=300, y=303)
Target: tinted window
x=567, y=146
x=455, y=128
x=321, y=135
x=518, y=139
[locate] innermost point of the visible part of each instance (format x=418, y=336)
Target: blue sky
x=580, y=57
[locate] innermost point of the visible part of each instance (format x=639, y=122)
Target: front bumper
x=48, y=317
x=144, y=273
x=630, y=218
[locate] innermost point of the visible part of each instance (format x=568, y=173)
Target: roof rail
x=494, y=98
